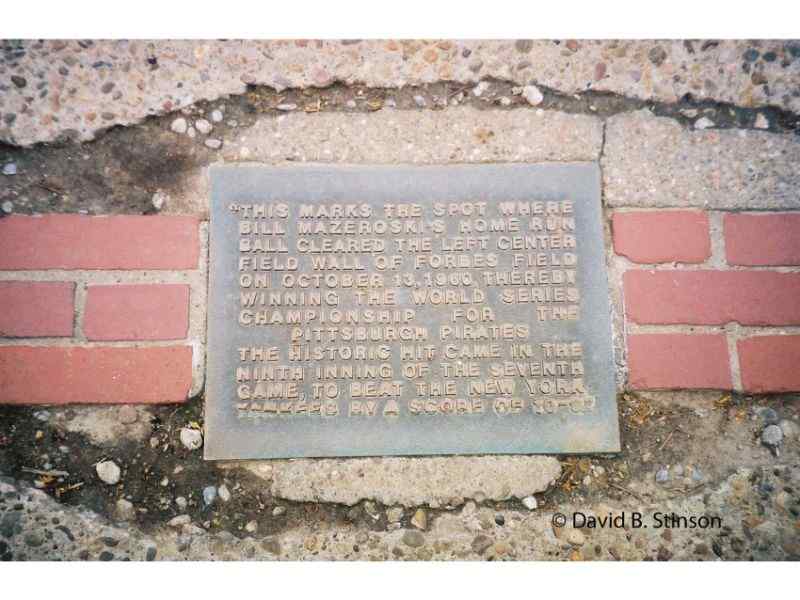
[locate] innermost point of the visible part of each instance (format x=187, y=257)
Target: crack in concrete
x=500, y=94
x=504, y=94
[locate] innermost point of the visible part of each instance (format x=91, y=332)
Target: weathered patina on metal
x=371, y=310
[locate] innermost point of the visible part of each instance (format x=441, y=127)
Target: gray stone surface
x=53, y=87
x=435, y=481
x=547, y=421
x=652, y=161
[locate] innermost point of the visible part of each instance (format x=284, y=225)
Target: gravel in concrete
x=54, y=88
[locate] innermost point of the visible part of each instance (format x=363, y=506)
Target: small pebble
x=657, y=55
x=479, y=89
x=751, y=55
x=278, y=511
x=575, y=537
x=768, y=415
x=394, y=514
x=159, y=199
x=10, y=169
x=413, y=538
x=179, y=125
x=761, y=122
x=209, y=495
x=181, y=502
x=251, y=527
x=224, y=493
x=180, y=521
x=420, y=101
x=216, y=115
x=772, y=436
x=530, y=503
x=289, y=106
x=703, y=123
x=213, y=143
x=766, y=488
x=420, y=519
x=662, y=475
x=108, y=472
x=371, y=510
x=192, y=439
x=532, y=95
x=8, y=207
x=203, y=126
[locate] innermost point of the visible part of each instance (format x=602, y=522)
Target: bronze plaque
x=357, y=311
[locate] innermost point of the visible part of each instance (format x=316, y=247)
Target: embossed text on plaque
x=359, y=311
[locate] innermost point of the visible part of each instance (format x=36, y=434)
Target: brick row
x=767, y=363
x=762, y=240
x=675, y=361
x=662, y=236
x=706, y=297
x=651, y=237
x=36, y=309
x=136, y=312
x=129, y=242
x=770, y=363
x=101, y=375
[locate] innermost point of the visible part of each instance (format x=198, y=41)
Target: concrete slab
x=652, y=161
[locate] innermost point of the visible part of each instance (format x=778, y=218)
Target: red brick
x=83, y=242
x=36, y=309
x=662, y=236
x=136, y=312
x=712, y=297
x=762, y=240
x=675, y=361
x=770, y=363
x=77, y=375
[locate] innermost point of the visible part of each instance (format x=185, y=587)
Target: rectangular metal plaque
x=357, y=311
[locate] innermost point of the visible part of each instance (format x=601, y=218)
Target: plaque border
x=581, y=179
